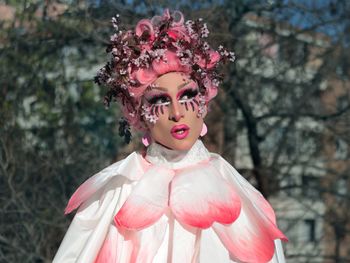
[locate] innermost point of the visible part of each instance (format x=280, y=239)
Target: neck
x=160, y=155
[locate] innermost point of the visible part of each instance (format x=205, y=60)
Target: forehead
x=172, y=80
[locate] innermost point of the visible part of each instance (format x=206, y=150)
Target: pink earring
x=204, y=130
x=146, y=139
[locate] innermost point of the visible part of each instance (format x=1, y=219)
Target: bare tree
x=281, y=117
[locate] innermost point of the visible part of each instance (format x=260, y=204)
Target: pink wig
x=157, y=46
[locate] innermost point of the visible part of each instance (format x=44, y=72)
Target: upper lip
x=179, y=127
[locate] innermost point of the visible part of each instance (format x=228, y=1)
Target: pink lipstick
x=180, y=131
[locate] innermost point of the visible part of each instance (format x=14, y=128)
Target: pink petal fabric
x=200, y=199
x=147, y=242
x=90, y=186
x=251, y=237
x=163, y=209
x=148, y=201
x=133, y=164
x=109, y=250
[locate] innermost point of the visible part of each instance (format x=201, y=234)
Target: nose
x=176, y=111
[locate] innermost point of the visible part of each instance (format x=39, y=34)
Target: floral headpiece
x=158, y=46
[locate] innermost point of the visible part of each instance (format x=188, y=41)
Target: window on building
x=308, y=230
x=299, y=230
x=341, y=188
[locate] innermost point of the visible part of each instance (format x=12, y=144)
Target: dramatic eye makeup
x=187, y=96
x=157, y=100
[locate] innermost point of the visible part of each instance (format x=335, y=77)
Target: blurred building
x=311, y=192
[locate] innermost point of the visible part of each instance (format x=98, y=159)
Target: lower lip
x=180, y=136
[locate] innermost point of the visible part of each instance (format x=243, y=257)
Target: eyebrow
x=178, y=87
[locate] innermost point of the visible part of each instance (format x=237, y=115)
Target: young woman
x=177, y=202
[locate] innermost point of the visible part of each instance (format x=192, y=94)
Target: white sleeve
x=89, y=226
x=278, y=257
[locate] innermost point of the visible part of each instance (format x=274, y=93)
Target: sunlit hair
x=155, y=47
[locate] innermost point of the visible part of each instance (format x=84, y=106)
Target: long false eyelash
x=159, y=108
x=196, y=101
x=152, y=109
x=192, y=105
x=153, y=100
x=148, y=113
x=186, y=105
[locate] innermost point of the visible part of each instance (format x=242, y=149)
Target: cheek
x=161, y=125
x=197, y=124
x=191, y=116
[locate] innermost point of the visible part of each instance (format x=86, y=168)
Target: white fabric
x=166, y=240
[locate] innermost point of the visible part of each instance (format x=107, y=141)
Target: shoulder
x=219, y=162
x=129, y=169
x=229, y=172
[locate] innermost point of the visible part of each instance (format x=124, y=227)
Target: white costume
x=170, y=206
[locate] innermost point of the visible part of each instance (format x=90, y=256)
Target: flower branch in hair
x=157, y=46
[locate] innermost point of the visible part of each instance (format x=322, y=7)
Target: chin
x=182, y=145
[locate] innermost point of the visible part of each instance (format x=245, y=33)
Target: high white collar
x=175, y=159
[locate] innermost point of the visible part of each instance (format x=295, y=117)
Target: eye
x=159, y=100
x=188, y=95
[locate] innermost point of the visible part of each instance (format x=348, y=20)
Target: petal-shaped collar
x=174, y=159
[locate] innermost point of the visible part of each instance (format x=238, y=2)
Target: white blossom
x=114, y=37
x=204, y=30
x=215, y=82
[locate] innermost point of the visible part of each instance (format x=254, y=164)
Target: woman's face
x=174, y=101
